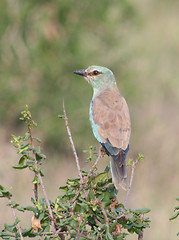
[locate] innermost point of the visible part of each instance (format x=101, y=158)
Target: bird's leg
x=102, y=151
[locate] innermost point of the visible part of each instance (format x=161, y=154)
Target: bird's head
x=100, y=78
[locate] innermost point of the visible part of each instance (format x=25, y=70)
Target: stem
x=76, y=234
x=103, y=212
x=87, y=177
x=42, y=185
x=140, y=237
x=18, y=226
x=72, y=143
x=36, y=164
x=131, y=180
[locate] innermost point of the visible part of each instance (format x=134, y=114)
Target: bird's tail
x=119, y=170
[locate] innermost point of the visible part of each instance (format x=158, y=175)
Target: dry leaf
x=114, y=203
x=35, y=224
x=118, y=229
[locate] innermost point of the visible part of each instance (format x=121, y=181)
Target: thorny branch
x=72, y=143
x=103, y=212
x=140, y=237
x=134, y=163
x=36, y=164
x=87, y=178
x=42, y=185
x=130, y=183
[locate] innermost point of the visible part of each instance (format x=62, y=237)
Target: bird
x=110, y=120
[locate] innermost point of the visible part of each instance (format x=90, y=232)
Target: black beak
x=80, y=72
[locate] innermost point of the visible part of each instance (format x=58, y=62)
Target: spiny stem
x=42, y=184
x=103, y=212
x=131, y=180
x=72, y=143
x=87, y=178
x=140, y=237
x=36, y=164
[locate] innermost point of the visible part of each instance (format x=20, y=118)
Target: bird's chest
x=93, y=125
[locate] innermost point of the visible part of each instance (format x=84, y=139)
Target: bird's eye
x=95, y=72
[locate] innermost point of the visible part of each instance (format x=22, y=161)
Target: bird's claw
x=102, y=151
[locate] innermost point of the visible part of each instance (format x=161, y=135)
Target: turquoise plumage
x=110, y=119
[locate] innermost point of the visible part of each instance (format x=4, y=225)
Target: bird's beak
x=81, y=72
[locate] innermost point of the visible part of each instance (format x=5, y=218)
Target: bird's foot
x=102, y=151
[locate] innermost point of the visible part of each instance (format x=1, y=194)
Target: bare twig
x=18, y=226
x=72, y=143
x=47, y=201
x=42, y=185
x=94, y=165
x=87, y=178
x=131, y=180
x=70, y=233
x=140, y=237
x=103, y=212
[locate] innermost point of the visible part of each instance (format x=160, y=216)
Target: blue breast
x=93, y=125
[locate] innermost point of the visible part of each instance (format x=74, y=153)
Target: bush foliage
x=87, y=208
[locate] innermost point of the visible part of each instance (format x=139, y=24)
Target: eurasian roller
x=110, y=119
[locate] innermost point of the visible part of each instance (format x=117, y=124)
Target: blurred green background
x=43, y=42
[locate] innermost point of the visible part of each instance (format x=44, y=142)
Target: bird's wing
x=111, y=114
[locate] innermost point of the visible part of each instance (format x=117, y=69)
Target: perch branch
x=72, y=143
x=131, y=180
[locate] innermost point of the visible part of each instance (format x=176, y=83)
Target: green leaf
x=140, y=157
x=12, y=227
x=79, y=207
x=37, y=139
x=129, y=162
x=26, y=136
x=25, y=146
x=64, y=188
x=41, y=173
x=35, y=180
x=60, y=116
x=36, y=149
x=61, y=207
x=5, y=235
x=21, y=209
x=1, y=187
x=22, y=160
x=141, y=210
x=73, y=180
x=13, y=204
x=40, y=156
x=177, y=198
x=91, y=195
x=30, y=163
x=5, y=192
x=174, y=216
x=20, y=166
x=101, y=177
x=28, y=233
x=30, y=208
x=35, y=124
